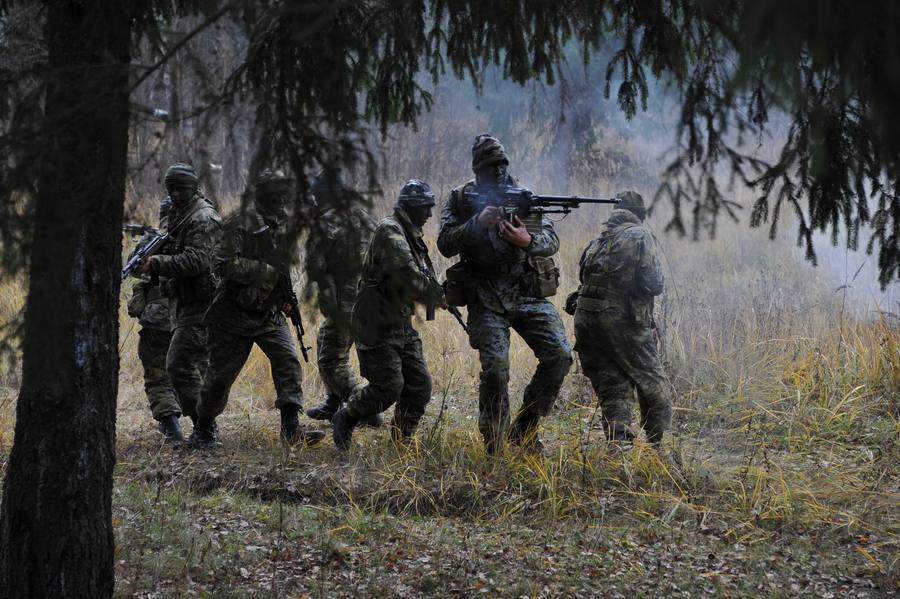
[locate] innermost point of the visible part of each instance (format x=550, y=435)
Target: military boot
x=523, y=433
x=326, y=410
x=344, y=423
x=291, y=432
x=170, y=429
x=619, y=443
x=204, y=435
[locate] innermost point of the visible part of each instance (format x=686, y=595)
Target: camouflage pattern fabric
x=617, y=351
x=333, y=344
x=245, y=263
x=152, y=348
x=542, y=329
x=632, y=262
x=395, y=367
x=498, y=267
x=228, y=352
x=186, y=365
x=335, y=250
x=389, y=348
x=187, y=260
x=186, y=263
x=391, y=282
x=157, y=323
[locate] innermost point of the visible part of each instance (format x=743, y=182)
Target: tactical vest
x=598, y=292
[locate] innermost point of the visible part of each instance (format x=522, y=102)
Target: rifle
x=527, y=205
x=153, y=247
x=429, y=310
x=290, y=298
x=284, y=290
x=138, y=230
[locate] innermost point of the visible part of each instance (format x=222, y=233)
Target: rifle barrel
x=573, y=200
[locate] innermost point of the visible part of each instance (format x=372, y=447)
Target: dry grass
x=780, y=478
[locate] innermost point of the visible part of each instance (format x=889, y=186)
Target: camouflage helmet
x=632, y=200
x=416, y=193
x=487, y=151
x=181, y=175
x=327, y=181
x=270, y=183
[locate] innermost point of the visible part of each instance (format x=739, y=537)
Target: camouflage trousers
x=186, y=365
x=619, y=359
x=333, y=344
x=152, y=348
x=395, y=367
x=229, y=352
x=540, y=326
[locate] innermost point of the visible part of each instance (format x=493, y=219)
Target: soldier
x=389, y=349
x=185, y=262
x=335, y=250
x=500, y=258
x=150, y=305
x=249, y=307
x=615, y=335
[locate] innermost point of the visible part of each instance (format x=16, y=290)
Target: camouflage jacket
x=247, y=263
x=334, y=255
x=186, y=260
x=391, y=281
x=497, y=265
x=622, y=265
x=149, y=302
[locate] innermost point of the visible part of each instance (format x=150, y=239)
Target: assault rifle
x=287, y=295
x=429, y=310
x=526, y=205
x=284, y=291
x=138, y=230
x=153, y=247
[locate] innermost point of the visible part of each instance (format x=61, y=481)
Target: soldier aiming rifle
x=515, y=201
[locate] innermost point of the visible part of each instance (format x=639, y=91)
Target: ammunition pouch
x=598, y=294
x=541, y=278
x=460, y=286
x=260, y=295
x=642, y=312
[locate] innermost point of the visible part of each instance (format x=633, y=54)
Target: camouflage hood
x=620, y=216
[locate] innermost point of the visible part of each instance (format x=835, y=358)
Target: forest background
x=781, y=480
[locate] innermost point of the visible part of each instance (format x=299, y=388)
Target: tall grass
x=785, y=381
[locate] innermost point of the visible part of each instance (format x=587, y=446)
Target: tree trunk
x=56, y=537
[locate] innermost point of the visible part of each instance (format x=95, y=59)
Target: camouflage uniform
x=186, y=263
x=150, y=306
x=239, y=317
x=335, y=249
x=498, y=305
x=620, y=274
x=388, y=347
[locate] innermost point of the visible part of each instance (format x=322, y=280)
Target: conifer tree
x=322, y=73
